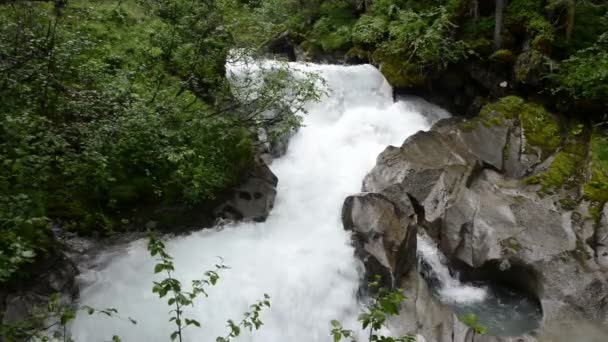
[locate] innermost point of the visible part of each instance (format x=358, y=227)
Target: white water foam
x=451, y=290
x=301, y=256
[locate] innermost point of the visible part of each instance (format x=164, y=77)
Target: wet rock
x=56, y=276
x=254, y=198
x=283, y=44
x=384, y=236
x=465, y=179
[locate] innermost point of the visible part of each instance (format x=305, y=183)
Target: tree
x=570, y=20
x=500, y=9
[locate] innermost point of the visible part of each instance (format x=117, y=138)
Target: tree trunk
x=475, y=9
x=570, y=22
x=500, y=9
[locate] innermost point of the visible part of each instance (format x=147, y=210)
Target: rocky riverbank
x=485, y=191
x=27, y=301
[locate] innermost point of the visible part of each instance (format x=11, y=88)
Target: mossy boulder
x=565, y=171
x=401, y=74
x=530, y=67
x=541, y=129
x=503, y=56
x=597, y=188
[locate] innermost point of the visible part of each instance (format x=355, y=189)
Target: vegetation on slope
x=108, y=107
x=554, y=46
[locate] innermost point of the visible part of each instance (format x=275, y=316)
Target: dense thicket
x=107, y=107
x=553, y=46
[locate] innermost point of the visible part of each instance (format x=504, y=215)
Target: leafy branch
x=381, y=307
x=178, y=298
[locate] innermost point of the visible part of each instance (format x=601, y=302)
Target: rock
x=57, y=276
x=601, y=240
x=283, y=44
x=531, y=64
x=489, y=78
x=383, y=235
x=423, y=315
x=254, y=198
x=432, y=166
x=518, y=163
x=270, y=148
x=465, y=181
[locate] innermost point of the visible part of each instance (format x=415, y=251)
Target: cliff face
x=496, y=195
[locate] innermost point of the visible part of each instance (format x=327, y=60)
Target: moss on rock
x=541, y=128
x=503, y=56
x=401, y=74
x=596, y=189
x=565, y=170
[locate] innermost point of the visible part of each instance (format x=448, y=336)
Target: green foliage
x=24, y=233
x=503, y=56
x=370, y=29
x=49, y=322
x=179, y=299
x=584, y=75
x=597, y=188
x=472, y=321
x=541, y=128
x=423, y=39
x=565, y=170
x=508, y=107
x=529, y=16
x=332, y=31
x=111, y=106
x=384, y=304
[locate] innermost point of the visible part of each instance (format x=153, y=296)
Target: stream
x=301, y=256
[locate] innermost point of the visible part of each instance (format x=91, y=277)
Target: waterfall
x=450, y=289
x=301, y=256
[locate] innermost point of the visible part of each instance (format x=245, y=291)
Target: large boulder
x=254, y=198
x=27, y=300
x=467, y=181
x=384, y=235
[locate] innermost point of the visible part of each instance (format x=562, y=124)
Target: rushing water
x=502, y=311
x=300, y=256
x=449, y=288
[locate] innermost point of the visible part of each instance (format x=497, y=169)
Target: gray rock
x=384, y=236
x=254, y=198
x=57, y=276
x=601, y=240
x=464, y=179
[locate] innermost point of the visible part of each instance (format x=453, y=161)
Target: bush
x=584, y=75
x=112, y=106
